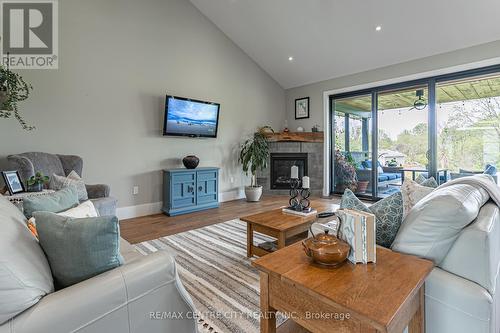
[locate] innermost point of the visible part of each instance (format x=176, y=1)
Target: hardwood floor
x=145, y=228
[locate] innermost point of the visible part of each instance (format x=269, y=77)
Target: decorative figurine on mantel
x=285, y=129
x=299, y=203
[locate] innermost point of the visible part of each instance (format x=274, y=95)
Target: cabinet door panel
x=206, y=187
x=184, y=177
x=207, y=175
x=183, y=189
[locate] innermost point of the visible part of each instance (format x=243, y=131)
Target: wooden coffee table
x=282, y=226
x=382, y=297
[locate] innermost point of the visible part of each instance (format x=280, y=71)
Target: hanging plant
x=13, y=89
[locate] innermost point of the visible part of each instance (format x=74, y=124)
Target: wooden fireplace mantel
x=296, y=137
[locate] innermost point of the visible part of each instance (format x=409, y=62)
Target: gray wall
x=315, y=90
x=118, y=58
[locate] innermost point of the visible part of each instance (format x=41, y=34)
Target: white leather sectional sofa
x=136, y=297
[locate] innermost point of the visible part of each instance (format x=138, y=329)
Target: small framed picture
x=13, y=182
x=302, y=108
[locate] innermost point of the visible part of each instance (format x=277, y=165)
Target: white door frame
x=326, y=104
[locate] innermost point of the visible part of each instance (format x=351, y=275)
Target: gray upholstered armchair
x=29, y=163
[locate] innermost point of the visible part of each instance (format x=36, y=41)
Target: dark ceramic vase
x=190, y=161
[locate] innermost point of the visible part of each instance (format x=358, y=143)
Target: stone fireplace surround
x=314, y=152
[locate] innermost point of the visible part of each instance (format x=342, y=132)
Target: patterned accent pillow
x=73, y=179
x=388, y=213
x=413, y=193
x=429, y=182
x=420, y=179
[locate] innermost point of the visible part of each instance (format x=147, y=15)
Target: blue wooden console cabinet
x=190, y=190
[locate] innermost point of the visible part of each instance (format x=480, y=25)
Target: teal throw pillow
x=388, y=213
x=78, y=248
x=54, y=202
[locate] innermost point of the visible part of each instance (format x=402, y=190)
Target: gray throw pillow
x=73, y=179
x=54, y=202
x=388, y=213
x=78, y=248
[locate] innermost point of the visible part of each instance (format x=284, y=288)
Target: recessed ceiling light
x=290, y=58
x=378, y=28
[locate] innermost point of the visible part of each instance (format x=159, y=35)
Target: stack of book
x=357, y=228
x=303, y=213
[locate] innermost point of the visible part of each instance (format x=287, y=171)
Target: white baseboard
x=139, y=210
x=231, y=195
x=155, y=207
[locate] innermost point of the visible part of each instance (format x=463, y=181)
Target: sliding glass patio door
x=353, y=144
x=374, y=163
x=403, y=137
x=446, y=127
x=468, y=125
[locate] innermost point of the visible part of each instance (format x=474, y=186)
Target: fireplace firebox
x=281, y=164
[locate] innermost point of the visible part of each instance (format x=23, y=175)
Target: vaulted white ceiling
x=332, y=38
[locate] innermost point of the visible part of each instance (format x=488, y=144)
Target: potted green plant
x=13, y=89
x=35, y=183
x=254, y=155
x=392, y=163
x=361, y=185
x=345, y=173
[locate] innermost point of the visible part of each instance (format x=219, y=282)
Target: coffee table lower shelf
x=282, y=239
x=290, y=326
x=260, y=251
x=286, y=228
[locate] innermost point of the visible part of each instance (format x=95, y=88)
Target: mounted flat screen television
x=191, y=118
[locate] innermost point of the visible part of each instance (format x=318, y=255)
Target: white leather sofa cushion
x=119, y=300
x=25, y=275
x=434, y=223
x=456, y=305
x=475, y=255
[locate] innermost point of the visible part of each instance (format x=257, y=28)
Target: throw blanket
x=482, y=181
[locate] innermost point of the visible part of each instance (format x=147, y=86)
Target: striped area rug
x=214, y=269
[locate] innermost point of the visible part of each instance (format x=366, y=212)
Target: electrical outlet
x=135, y=190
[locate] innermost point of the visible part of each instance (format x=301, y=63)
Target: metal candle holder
x=299, y=197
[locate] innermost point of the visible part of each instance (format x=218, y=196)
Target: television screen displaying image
x=189, y=117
